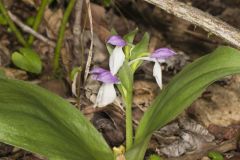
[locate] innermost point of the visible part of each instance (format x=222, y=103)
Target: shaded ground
x=211, y=123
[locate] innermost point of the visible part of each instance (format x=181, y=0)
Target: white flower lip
x=157, y=73
x=158, y=56
x=116, y=60
x=106, y=95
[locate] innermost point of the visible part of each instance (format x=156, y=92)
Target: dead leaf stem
x=28, y=29
x=90, y=53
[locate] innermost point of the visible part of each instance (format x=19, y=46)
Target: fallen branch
x=28, y=29
x=201, y=19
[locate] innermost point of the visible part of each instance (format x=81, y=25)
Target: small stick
x=200, y=18
x=90, y=53
x=18, y=34
x=30, y=30
x=61, y=36
x=38, y=20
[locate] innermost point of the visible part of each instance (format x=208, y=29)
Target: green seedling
x=154, y=157
x=215, y=155
x=28, y=60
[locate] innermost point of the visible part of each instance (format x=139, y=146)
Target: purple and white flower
x=117, y=57
x=106, y=94
x=158, y=56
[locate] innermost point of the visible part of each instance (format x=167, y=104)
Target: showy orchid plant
x=41, y=122
x=107, y=93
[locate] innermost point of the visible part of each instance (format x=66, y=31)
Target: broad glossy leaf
x=28, y=60
x=183, y=90
x=34, y=119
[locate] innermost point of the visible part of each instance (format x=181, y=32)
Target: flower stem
x=38, y=20
x=129, y=127
x=61, y=36
x=18, y=34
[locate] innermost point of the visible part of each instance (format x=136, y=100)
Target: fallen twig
x=90, y=53
x=28, y=29
x=200, y=18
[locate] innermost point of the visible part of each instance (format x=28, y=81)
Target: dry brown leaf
x=15, y=73
x=4, y=55
x=53, y=22
x=220, y=106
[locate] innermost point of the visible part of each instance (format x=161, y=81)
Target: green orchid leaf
x=110, y=48
x=28, y=60
x=129, y=39
x=39, y=121
x=126, y=77
x=184, y=88
x=113, y=31
x=75, y=71
x=141, y=47
x=130, y=36
x=140, y=50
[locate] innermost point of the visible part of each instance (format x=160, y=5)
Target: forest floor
x=211, y=123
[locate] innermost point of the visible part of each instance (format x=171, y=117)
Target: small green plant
x=34, y=119
x=27, y=59
x=215, y=155
x=154, y=157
